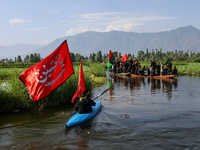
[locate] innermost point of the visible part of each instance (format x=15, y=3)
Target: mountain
x=15, y=50
x=90, y=42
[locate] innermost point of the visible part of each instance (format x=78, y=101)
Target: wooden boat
x=78, y=119
x=120, y=74
x=155, y=77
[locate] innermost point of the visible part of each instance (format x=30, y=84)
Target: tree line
x=176, y=55
x=154, y=54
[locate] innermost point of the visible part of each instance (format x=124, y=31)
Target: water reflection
x=165, y=86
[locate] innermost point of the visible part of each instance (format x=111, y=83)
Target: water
x=138, y=113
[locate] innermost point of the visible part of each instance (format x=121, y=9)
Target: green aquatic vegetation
x=98, y=69
x=190, y=69
x=14, y=95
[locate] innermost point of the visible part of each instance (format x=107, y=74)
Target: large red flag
x=43, y=77
x=110, y=55
x=125, y=58
x=81, y=86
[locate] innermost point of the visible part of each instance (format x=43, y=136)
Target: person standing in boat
x=158, y=69
x=118, y=66
x=170, y=67
x=152, y=73
x=154, y=66
x=133, y=68
x=142, y=72
x=125, y=68
x=162, y=69
x=167, y=69
x=130, y=65
x=84, y=104
x=174, y=71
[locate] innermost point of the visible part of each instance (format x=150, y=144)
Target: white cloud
x=45, y=42
x=42, y=28
x=53, y=11
x=123, y=27
x=14, y=21
x=73, y=31
x=120, y=21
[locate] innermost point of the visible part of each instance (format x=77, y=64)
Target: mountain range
x=182, y=39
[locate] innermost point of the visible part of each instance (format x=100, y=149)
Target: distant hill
x=90, y=42
x=15, y=50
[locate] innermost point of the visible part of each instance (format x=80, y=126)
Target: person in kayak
x=84, y=104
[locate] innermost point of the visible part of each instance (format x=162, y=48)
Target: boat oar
x=101, y=93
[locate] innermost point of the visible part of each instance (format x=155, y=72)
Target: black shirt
x=84, y=106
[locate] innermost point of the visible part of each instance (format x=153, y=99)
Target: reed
x=15, y=95
x=189, y=69
x=98, y=69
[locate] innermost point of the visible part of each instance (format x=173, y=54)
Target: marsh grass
x=15, y=96
x=190, y=69
x=98, y=69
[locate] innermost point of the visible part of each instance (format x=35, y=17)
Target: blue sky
x=42, y=21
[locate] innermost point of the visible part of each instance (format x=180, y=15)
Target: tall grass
x=189, y=69
x=17, y=96
x=98, y=69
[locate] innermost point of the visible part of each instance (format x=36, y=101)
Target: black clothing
x=84, y=106
x=133, y=69
x=125, y=67
x=148, y=72
x=130, y=67
x=154, y=66
x=170, y=66
x=152, y=72
x=118, y=64
x=158, y=69
x=174, y=71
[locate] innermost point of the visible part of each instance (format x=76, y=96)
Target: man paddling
x=84, y=104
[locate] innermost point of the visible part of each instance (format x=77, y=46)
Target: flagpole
x=76, y=84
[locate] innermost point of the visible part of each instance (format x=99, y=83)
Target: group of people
x=84, y=104
x=128, y=66
x=134, y=67
x=157, y=69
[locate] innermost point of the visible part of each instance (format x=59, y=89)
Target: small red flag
x=43, y=77
x=119, y=56
x=81, y=86
x=110, y=55
x=125, y=58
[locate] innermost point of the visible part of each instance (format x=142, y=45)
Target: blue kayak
x=82, y=118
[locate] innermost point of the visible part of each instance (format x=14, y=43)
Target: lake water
x=138, y=113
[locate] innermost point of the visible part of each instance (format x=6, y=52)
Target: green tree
x=99, y=57
x=19, y=59
x=31, y=59
x=26, y=59
x=73, y=57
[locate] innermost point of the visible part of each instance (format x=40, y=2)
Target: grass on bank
x=15, y=96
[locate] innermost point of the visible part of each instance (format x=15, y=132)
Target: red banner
x=110, y=55
x=81, y=86
x=125, y=58
x=43, y=77
x=119, y=56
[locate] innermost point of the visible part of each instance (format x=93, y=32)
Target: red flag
x=43, y=77
x=119, y=56
x=125, y=58
x=81, y=86
x=110, y=55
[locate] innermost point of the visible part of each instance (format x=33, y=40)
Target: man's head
x=86, y=93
